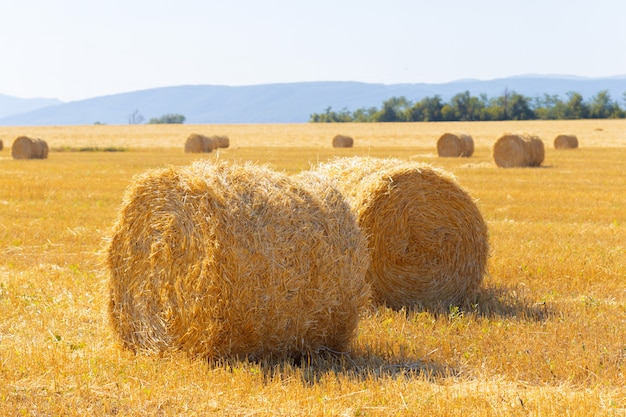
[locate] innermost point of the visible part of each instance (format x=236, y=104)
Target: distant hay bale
x=29, y=148
x=518, y=150
x=455, y=145
x=221, y=141
x=220, y=260
x=193, y=144
x=566, y=142
x=1, y=145
x=197, y=143
x=342, y=141
x=427, y=238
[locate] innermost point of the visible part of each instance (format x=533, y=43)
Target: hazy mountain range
x=278, y=103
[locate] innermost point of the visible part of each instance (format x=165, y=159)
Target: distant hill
x=13, y=105
x=289, y=102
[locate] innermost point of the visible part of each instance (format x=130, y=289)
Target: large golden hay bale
x=566, y=142
x=29, y=148
x=427, y=238
x=342, y=141
x=455, y=145
x=518, y=150
x=197, y=143
x=220, y=260
x=221, y=141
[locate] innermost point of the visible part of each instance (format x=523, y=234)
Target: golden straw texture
x=197, y=143
x=455, y=145
x=428, y=240
x=342, y=141
x=566, y=142
x=221, y=141
x=29, y=148
x=518, y=150
x=221, y=260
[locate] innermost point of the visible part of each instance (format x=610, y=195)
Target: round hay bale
x=566, y=142
x=29, y=148
x=193, y=144
x=342, y=141
x=518, y=150
x=220, y=260
x=221, y=141
x=197, y=143
x=427, y=238
x=208, y=144
x=455, y=145
x=1, y=145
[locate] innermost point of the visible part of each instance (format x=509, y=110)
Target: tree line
x=136, y=118
x=466, y=107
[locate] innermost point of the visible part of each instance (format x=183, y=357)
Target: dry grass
x=546, y=336
x=590, y=133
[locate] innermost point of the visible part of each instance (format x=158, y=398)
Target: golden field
x=546, y=336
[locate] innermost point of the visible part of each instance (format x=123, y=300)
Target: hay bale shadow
x=501, y=301
x=313, y=367
x=368, y=363
x=371, y=365
x=492, y=302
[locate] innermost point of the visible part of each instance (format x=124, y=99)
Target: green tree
x=519, y=108
x=466, y=107
x=575, y=108
x=460, y=104
x=511, y=106
x=168, y=119
x=448, y=113
x=364, y=114
x=330, y=116
x=396, y=109
x=545, y=106
x=551, y=108
x=492, y=111
x=602, y=107
x=427, y=109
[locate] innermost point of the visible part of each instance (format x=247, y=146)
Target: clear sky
x=76, y=49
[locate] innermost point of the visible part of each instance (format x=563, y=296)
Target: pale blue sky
x=75, y=49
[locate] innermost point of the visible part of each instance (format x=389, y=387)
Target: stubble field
x=546, y=336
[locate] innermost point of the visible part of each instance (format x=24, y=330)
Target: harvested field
x=544, y=336
x=604, y=133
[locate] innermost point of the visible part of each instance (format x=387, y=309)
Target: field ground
x=591, y=133
x=546, y=336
